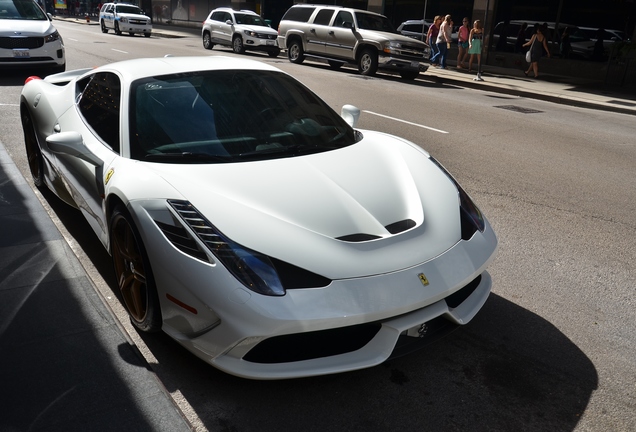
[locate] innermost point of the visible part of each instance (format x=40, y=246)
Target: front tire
x=207, y=41
x=147, y=34
x=237, y=45
x=117, y=31
x=295, y=52
x=102, y=24
x=33, y=152
x=273, y=53
x=368, y=62
x=409, y=75
x=334, y=64
x=134, y=275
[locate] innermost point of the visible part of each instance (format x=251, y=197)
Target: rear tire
x=102, y=24
x=133, y=273
x=207, y=41
x=295, y=52
x=33, y=152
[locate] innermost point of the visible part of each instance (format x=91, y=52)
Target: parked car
x=28, y=37
x=511, y=30
x=417, y=29
x=122, y=17
x=584, y=41
x=241, y=30
x=343, y=35
x=249, y=221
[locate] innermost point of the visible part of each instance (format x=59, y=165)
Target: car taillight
x=31, y=78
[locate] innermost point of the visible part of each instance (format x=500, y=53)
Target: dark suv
x=343, y=35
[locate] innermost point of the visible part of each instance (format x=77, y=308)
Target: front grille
x=21, y=42
x=458, y=297
x=138, y=21
x=312, y=345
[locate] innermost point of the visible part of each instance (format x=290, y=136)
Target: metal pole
x=423, y=21
x=483, y=42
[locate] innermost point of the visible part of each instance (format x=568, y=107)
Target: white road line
x=407, y=122
x=124, y=52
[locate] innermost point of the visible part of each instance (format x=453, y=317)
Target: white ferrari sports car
x=251, y=222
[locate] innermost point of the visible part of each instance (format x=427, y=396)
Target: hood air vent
x=394, y=228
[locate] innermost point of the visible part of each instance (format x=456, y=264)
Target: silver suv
x=123, y=17
x=241, y=30
x=344, y=35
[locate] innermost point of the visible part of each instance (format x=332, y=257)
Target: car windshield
x=230, y=116
x=21, y=10
x=128, y=9
x=369, y=21
x=249, y=19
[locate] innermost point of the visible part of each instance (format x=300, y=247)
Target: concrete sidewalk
x=65, y=362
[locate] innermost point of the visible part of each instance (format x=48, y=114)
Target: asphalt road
x=553, y=348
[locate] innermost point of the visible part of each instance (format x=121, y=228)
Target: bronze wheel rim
x=130, y=270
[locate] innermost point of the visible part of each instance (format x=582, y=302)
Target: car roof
x=227, y=9
x=146, y=67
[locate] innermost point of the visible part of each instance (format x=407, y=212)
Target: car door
x=318, y=31
x=109, y=16
x=96, y=118
x=223, y=31
x=342, y=38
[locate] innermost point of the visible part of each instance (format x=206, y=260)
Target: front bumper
x=389, y=62
x=242, y=333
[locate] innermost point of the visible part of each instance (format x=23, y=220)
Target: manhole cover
x=519, y=109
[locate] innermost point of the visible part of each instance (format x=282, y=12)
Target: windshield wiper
x=188, y=156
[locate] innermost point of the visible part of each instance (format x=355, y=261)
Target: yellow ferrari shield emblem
x=423, y=279
x=109, y=174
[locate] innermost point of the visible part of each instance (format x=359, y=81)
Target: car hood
x=313, y=210
x=386, y=36
x=26, y=28
x=259, y=29
x=131, y=15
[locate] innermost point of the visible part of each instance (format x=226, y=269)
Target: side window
x=99, y=104
x=323, y=17
x=301, y=14
x=227, y=16
x=217, y=16
x=343, y=19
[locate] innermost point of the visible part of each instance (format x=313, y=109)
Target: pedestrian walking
x=463, y=42
x=474, y=47
x=566, y=46
x=431, y=37
x=443, y=42
x=521, y=38
x=537, y=43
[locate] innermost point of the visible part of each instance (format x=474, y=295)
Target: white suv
x=344, y=35
x=123, y=17
x=28, y=38
x=241, y=30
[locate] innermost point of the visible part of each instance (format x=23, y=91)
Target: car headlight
x=471, y=217
x=251, y=33
x=253, y=269
x=392, y=47
x=123, y=19
x=52, y=37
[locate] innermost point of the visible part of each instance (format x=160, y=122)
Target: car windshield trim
x=229, y=116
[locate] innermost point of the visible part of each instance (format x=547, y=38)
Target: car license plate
x=270, y=42
x=21, y=53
